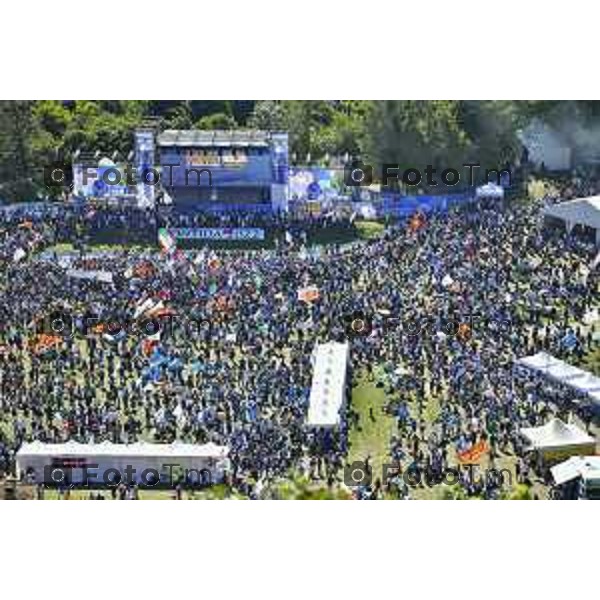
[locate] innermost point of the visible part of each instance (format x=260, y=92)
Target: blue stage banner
x=404, y=206
x=218, y=233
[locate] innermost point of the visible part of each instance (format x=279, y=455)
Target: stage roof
x=200, y=137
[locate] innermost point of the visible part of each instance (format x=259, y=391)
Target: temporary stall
x=574, y=467
x=556, y=440
x=579, y=475
x=582, y=211
x=578, y=379
x=104, y=463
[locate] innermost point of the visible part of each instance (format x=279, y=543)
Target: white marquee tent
x=562, y=372
x=576, y=466
x=36, y=456
x=559, y=437
x=582, y=211
x=328, y=389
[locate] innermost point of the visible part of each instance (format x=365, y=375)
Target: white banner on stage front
x=103, y=276
x=218, y=233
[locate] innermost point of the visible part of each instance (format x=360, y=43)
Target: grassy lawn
x=591, y=361
x=370, y=436
x=368, y=230
x=60, y=248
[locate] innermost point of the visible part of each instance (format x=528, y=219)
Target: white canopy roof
x=558, y=370
x=490, y=190
x=586, y=382
x=556, y=434
x=583, y=211
x=576, y=466
x=110, y=449
x=542, y=361
x=106, y=162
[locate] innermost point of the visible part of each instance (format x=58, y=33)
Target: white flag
x=19, y=255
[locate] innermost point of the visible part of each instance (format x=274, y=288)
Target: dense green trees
x=18, y=131
x=411, y=133
x=415, y=133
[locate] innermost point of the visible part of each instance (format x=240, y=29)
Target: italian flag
x=166, y=240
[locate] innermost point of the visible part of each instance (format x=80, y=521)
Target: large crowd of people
x=451, y=302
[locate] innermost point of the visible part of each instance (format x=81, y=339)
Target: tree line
x=410, y=133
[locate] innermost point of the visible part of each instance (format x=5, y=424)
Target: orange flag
x=43, y=342
x=308, y=294
x=417, y=222
x=464, y=331
x=474, y=454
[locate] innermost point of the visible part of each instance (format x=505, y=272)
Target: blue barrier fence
x=395, y=205
x=218, y=208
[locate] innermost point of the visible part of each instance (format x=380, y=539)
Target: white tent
x=583, y=211
x=576, y=466
x=75, y=449
x=328, y=389
x=595, y=396
x=490, y=190
x=541, y=362
x=75, y=458
x=562, y=372
x=586, y=382
x=559, y=437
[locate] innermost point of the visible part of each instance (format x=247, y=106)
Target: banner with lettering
x=218, y=233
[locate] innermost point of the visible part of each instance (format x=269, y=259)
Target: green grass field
x=370, y=436
x=368, y=230
x=591, y=361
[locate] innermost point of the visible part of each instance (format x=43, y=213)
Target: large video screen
x=227, y=167
x=314, y=183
